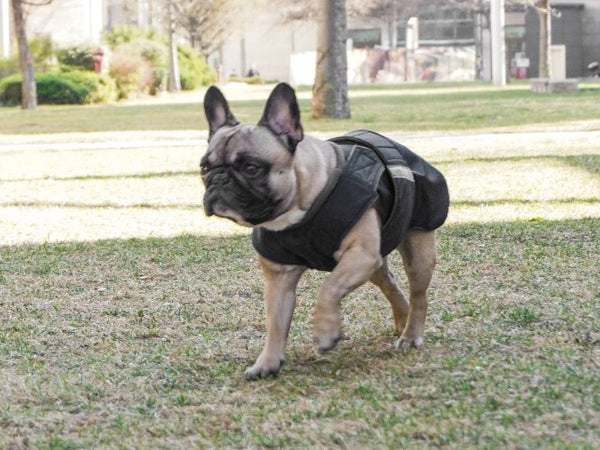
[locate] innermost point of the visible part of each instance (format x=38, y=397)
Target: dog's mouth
x=221, y=210
x=244, y=211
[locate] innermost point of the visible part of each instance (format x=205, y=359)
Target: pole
x=394, y=26
x=545, y=66
x=174, y=83
x=4, y=30
x=498, y=47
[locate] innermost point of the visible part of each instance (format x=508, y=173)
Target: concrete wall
x=578, y=28
x=67, y=22
x=262, y=39
x=591, y=32
x=567, y=30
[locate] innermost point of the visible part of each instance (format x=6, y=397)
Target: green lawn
x=128, y=317
x=418, y=108
x=142, y=343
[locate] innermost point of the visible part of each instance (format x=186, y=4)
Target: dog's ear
x=282, y=115
x=217, y=111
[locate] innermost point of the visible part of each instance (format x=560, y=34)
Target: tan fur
x=298, y=175
x=312, y=165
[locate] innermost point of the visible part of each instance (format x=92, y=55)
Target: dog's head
x=248, y=169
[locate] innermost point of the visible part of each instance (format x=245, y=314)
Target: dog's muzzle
x=228, y=194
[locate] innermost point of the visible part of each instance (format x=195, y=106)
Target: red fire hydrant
x=97, y=57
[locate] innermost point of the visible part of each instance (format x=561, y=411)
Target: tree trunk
x=545, y=15
x=330, y=91
x=28, y=86
x=174, y=84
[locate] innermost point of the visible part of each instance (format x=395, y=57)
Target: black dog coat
x=372, y=171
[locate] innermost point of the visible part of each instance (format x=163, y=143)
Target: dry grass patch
x=129, y=191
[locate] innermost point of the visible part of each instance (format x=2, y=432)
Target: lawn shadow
x=589, y=162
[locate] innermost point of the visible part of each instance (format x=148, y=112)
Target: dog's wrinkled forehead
x=228, y=143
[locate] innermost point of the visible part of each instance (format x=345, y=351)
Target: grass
x=128, y=317
x=142, y=343
x=444, y=107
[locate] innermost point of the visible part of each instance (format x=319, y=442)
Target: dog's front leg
x=358, y=258
x=280, y=299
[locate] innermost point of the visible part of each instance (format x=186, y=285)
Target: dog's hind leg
x=384, y=280
x=419, y=257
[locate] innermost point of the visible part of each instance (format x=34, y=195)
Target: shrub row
x=247, y=80
x=61, y=88
x=138, y=63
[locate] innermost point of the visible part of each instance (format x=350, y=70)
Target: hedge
x=79, y=57
x=61, y=88
x=193, y=69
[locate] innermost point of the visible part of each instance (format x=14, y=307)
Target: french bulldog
x=293, y=189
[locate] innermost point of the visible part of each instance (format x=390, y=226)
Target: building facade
x=576, y=26
x=451, y=44
x=66, y=22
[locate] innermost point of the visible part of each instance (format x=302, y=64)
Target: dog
x=340, y=205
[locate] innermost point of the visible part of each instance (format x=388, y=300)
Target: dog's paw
x=405, y=343
x=327, y=341
x=327, y=331
x=256, y=373
x=263, y=370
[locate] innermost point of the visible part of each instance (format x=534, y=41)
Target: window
x=367, y=37
x=443, y=26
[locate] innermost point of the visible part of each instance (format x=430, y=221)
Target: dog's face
x=248, y=170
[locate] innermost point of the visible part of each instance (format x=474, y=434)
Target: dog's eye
x=250, y=169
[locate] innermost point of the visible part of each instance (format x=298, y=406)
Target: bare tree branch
x=204, y=22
